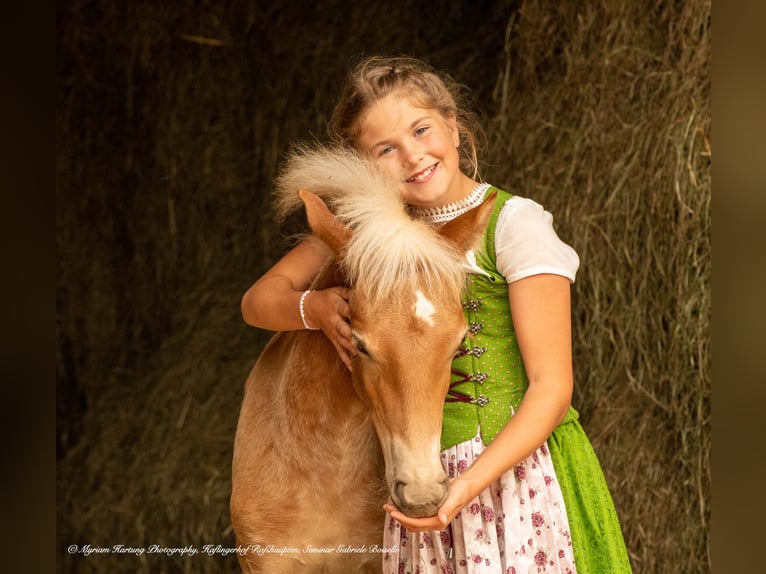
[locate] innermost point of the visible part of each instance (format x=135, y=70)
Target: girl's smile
x=424, y=175
x=419, y=147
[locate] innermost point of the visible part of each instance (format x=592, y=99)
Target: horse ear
x=323, y=223
x=466, y=229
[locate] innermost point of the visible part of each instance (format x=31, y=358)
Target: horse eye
x=360, y=346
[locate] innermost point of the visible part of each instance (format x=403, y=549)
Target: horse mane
x=389, y=250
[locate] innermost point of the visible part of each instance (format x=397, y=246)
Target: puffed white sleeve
x=527, y=244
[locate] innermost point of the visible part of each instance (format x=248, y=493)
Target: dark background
x=172, y=119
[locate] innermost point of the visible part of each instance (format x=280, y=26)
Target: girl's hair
x=375, y=77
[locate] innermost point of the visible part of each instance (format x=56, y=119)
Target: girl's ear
x=454, y=131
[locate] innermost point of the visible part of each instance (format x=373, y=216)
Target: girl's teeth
x=423, y=175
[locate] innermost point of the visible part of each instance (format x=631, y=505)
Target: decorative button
x=477, y=351
x=475, y=327
x=481, y=400
x=479, y=377
x=473, y=305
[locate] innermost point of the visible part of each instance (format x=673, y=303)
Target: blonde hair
x=373, y=78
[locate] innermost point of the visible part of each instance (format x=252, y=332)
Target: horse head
x=407, y=323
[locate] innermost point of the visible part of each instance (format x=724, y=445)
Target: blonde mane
x=389, y=250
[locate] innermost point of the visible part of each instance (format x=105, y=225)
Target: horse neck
x=322, y=390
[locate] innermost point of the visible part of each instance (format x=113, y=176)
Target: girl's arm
x=273, y=301
x=541, y=318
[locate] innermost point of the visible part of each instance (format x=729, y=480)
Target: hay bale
x=606, y=120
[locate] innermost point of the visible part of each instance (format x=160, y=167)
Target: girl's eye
x=385, y=150
x=421, y=130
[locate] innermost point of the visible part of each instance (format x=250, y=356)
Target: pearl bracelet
x=303, y=315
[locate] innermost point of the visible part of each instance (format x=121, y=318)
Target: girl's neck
x=466, y=186
x=449, y=211
x=459, y=189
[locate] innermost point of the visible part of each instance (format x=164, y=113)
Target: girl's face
x=418, y=146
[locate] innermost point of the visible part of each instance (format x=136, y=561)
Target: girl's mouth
x=423, y=175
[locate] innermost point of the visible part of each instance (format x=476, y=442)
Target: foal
x=318, y=449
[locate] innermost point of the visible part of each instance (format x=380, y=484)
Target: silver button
x=473, y=305
x=481, y=400
x=475, y=327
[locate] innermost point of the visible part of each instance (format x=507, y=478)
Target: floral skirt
x=516, y=525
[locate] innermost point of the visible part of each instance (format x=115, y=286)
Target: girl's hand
x=328, y=310
x=457, y=498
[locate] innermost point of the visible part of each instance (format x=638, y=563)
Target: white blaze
x=424, y=309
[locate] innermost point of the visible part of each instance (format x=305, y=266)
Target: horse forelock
x=391, y=253
x=388, y=257
x=332, y=173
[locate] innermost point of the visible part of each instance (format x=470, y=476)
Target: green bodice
x=488, y=375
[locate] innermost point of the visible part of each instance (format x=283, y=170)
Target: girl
x=527, y=493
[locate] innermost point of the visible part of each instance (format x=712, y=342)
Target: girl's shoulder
x=523, y=211
x=508, y=204
x=526, y=242
x=521, y=214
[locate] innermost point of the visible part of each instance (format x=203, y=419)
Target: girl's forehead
x=397, y=111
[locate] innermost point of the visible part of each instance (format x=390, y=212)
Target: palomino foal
x=318, y=449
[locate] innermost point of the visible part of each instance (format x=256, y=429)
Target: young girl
x=527, y=493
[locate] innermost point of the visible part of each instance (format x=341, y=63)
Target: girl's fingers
x=344, y=356
x=337, y=327
x=429, y=523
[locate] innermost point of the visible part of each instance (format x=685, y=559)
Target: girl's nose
x=413, y=154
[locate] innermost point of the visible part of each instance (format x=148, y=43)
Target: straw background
x=172, y=120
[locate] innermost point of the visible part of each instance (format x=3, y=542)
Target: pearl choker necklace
x=450, y=211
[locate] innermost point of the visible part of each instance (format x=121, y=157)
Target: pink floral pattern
x=517, y=525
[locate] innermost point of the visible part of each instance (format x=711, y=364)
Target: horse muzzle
x=419, y=498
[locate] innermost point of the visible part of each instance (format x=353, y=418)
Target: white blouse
x=526, y=243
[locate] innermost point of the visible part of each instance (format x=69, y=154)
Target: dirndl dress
x=551, y=513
